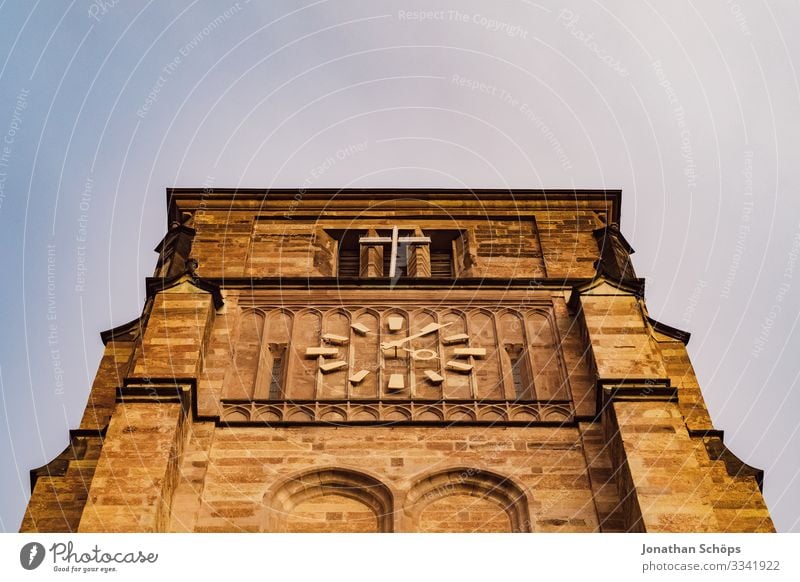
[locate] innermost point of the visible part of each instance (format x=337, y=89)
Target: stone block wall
x=183, y=432
x=234, y=479
x=677, y=487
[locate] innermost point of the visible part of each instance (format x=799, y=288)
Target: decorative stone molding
x=735, y=467
x=392, y=412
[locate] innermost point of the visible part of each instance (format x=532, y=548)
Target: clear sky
x=691, y=108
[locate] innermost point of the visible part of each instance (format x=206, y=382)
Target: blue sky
x=690, y=108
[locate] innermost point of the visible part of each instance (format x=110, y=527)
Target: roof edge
x=614, y=195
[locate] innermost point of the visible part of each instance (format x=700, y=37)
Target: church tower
x=395, y=361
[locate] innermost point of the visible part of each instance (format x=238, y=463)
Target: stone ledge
x=396, y=412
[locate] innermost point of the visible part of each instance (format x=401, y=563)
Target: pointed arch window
x=520, y=372
x=277, y=371
x=258, y=368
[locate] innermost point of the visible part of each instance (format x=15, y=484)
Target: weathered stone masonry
x=395, y=361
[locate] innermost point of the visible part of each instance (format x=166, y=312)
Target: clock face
x=392, y=349
x=384, y=352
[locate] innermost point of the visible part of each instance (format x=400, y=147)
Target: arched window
x=467, y=500
x=548, y=378
x=330, y=500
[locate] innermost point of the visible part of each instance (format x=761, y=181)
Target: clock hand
x=430, y=328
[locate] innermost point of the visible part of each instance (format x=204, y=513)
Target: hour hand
x=430, y=328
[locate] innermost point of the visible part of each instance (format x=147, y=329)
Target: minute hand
x=425, y=331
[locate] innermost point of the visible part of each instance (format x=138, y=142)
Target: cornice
x=633, y=287
x=669, y=331
x=155, y=284
x=125, y=332
x=175, y=194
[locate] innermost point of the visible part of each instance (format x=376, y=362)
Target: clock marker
x=396, y=382
x=359, y=376
x=459, y=367
x=455, y=339
x=466, y=352
x=333, y=366
x=321, y=351
x=434, y=377
x=332, y=338
x=360, y=328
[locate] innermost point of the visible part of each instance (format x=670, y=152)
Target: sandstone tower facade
x=395, y=361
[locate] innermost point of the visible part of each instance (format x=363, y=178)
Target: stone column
x=371, y=258
x=419, y=257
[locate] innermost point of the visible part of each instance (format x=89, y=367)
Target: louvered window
x=442, y=263
x=348, y=251
x=348, y=262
